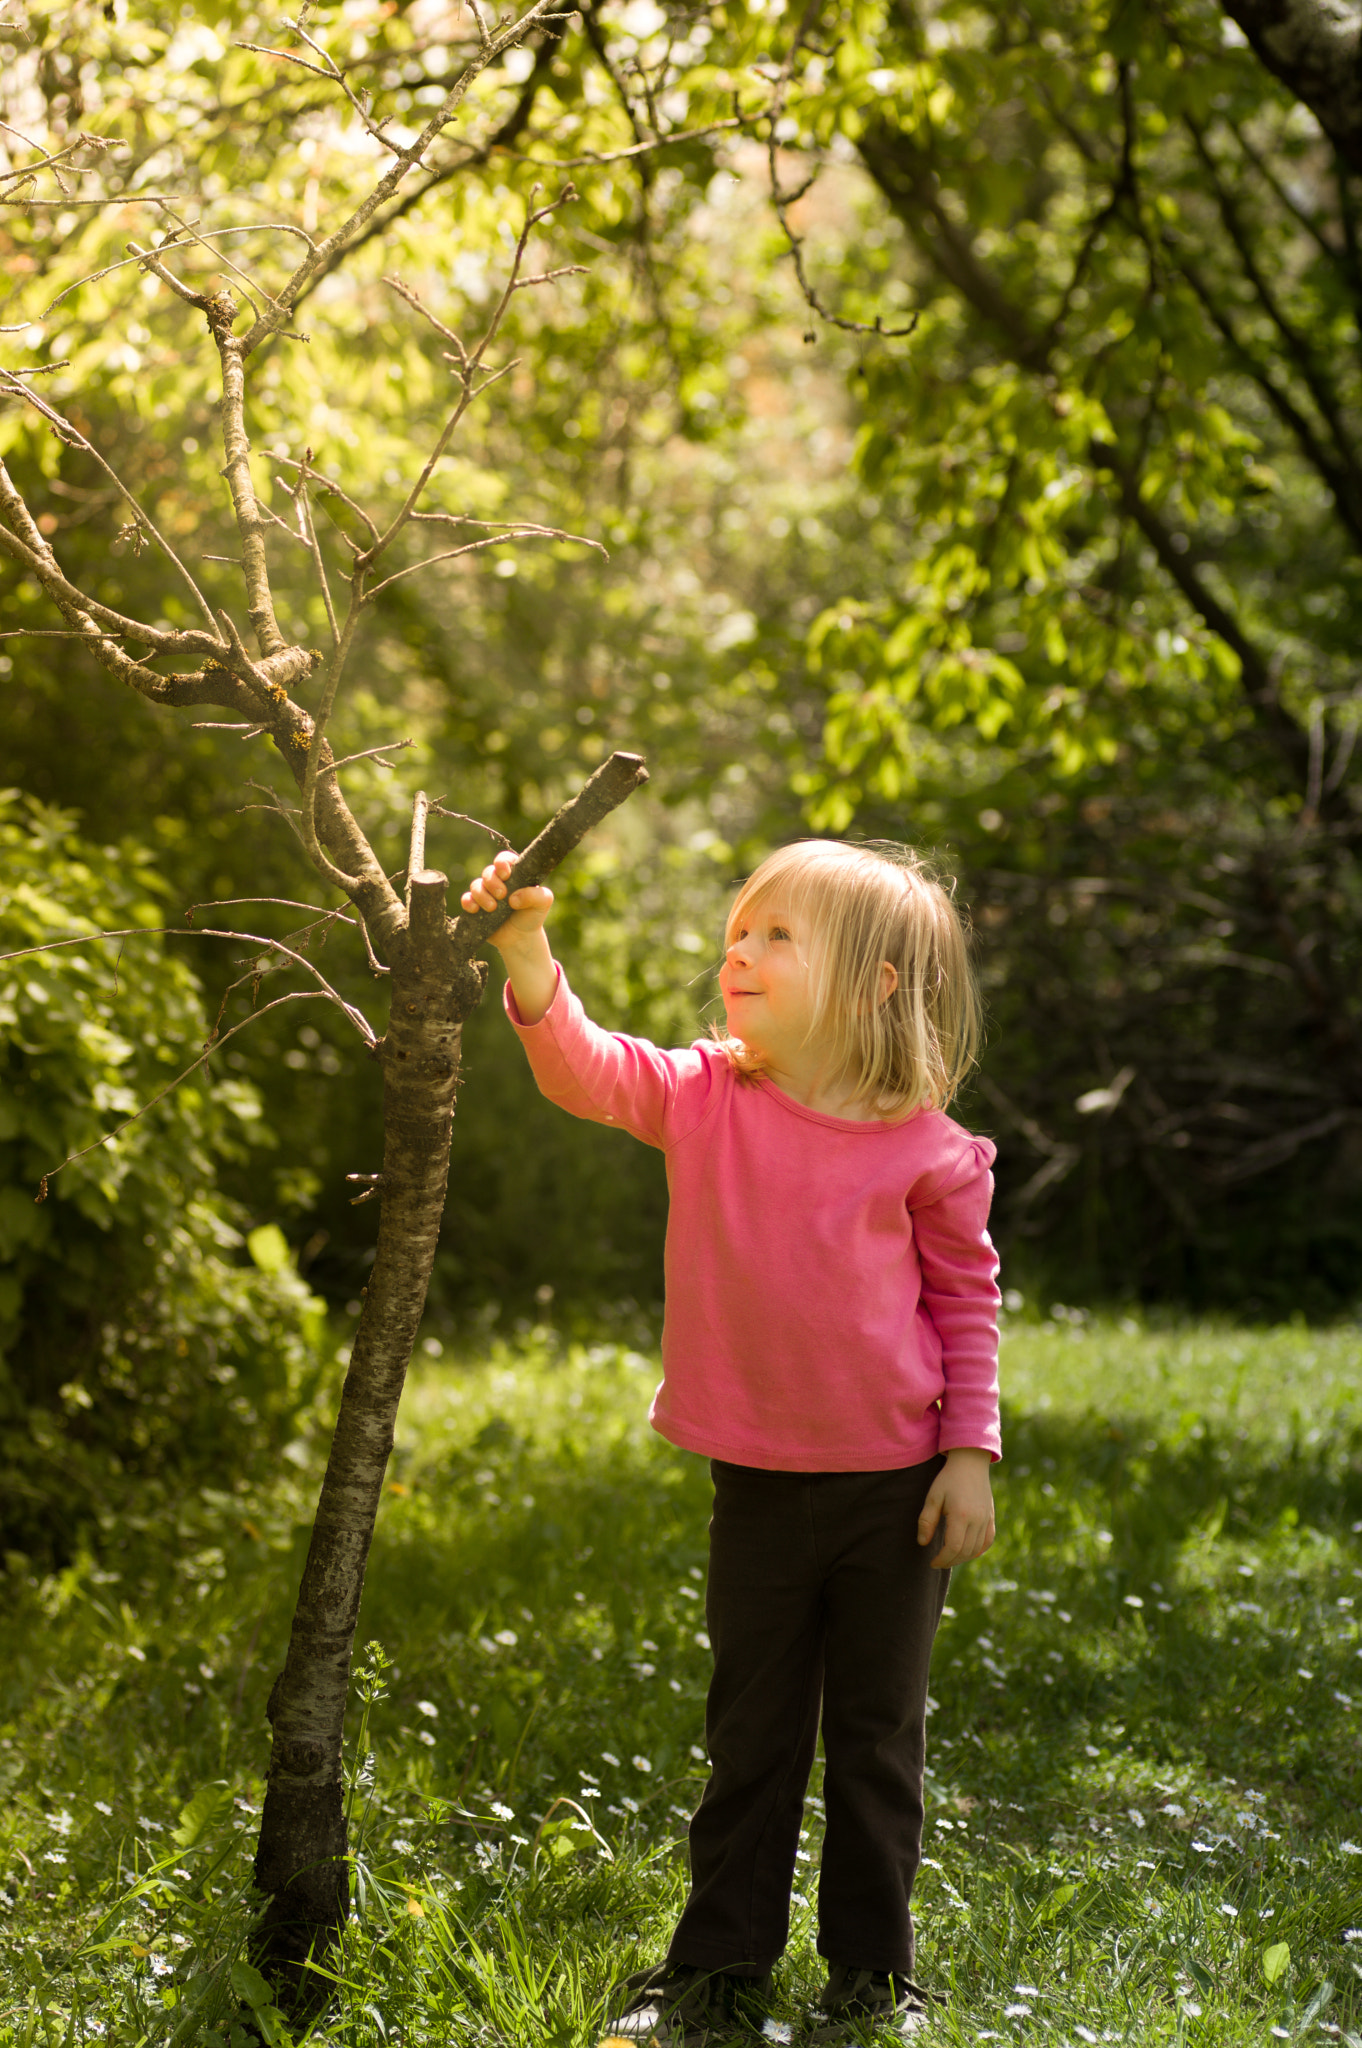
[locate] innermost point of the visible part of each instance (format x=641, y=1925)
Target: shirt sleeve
x=960, y=1293
x=607, y=1077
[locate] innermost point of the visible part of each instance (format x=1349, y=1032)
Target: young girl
x=830, y=1344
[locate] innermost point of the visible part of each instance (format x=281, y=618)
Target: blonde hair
x=854, y=908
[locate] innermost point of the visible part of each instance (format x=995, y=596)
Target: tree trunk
x=300, y=1861
x=302, y=1856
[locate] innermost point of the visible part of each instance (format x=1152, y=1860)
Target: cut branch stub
x=428, y=925
x=614, y=781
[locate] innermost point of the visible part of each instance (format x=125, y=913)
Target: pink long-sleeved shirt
x=831, y=1286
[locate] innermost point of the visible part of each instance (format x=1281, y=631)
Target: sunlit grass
x=1145, y=1771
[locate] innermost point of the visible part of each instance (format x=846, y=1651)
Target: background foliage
x=1062, y=582
x=135, y=1346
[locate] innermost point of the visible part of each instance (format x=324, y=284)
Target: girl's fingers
x=966, y=1541
x=486, y=890
x=931, y=1513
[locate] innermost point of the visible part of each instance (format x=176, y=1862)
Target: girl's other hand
x=530, y=907
x=960, y=1493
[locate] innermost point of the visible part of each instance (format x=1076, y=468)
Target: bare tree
x=424, y=956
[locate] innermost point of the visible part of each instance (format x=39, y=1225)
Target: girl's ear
x=889, y=980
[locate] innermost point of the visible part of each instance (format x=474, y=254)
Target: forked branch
x=469, y=362
x=325, y=252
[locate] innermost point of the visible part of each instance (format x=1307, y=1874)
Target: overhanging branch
x=1315, y=48
x=613, y=782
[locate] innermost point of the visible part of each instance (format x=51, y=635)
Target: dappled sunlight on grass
x=1144, y=1770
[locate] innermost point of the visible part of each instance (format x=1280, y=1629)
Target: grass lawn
x=1145, y=1761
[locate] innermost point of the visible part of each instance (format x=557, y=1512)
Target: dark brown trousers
x=820, y=1599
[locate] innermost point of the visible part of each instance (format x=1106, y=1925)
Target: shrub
x=136, y=1345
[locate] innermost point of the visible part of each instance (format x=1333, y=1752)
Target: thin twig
x=438, y=811
x=357, y=1017
x=337, y=77
x=73, y=435
x=23, y=542
x=27, y=140
x=287, y=903
x=375, y=964
x=594, y=158
x=332, y=77
x=369, y=754
x=260, y=227
x=134, y=931
x=248, y=284
x=309, y=535
x=302, y=995
x=490, y=540
x=470, y=363
x=291, y=462
x=275, y=804
x=307, y=815
x=782, y=200
x=58, y=160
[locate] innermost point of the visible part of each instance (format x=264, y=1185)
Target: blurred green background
x=1056, y=575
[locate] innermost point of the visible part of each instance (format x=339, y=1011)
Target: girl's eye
x=778, y=931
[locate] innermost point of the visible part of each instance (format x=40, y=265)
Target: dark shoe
x=855, y=2002
x=680, y=2005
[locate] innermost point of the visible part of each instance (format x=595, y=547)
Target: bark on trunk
x=301, y=1859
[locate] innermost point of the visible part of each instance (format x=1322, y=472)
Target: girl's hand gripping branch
x=521, y=941
x=961, y=1499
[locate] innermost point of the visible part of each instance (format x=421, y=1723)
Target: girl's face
x=765, y=983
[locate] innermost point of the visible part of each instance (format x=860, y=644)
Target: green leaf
x=249, y=1986
x=269, y=1248
x=1050, y=1907
x=1276, y=1961
x=562, y=1839
x=270, y=2021
x=207, y=1810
